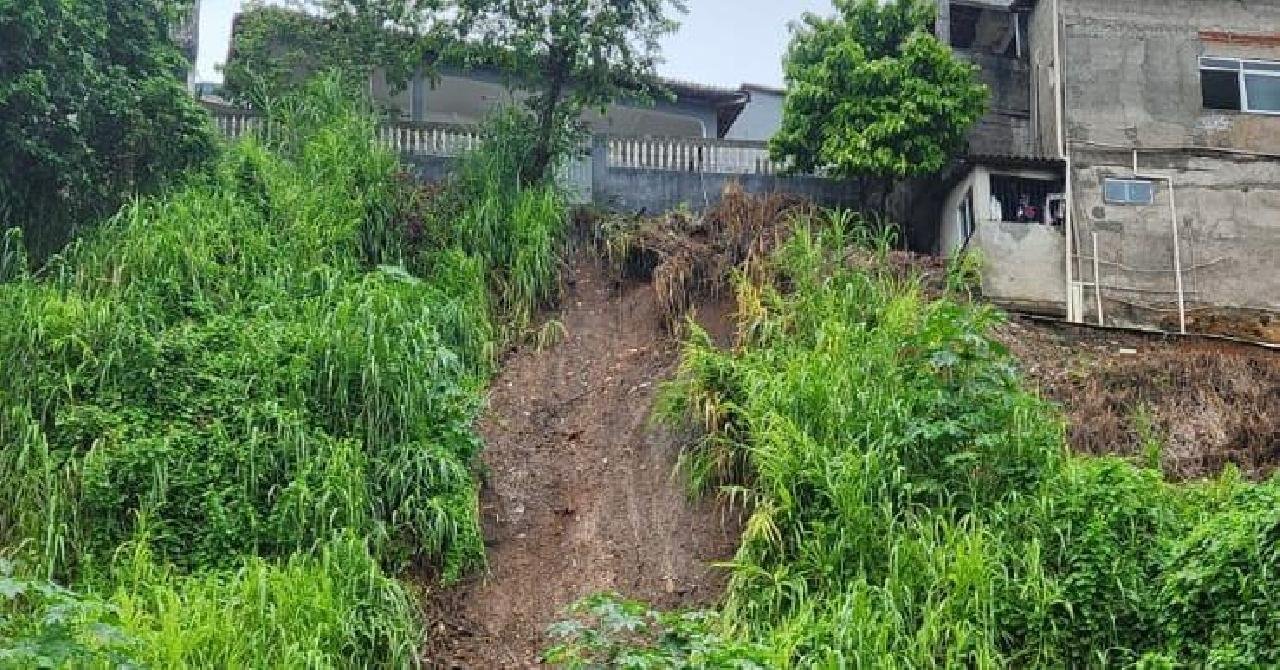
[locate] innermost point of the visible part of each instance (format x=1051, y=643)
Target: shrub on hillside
x=235, y=380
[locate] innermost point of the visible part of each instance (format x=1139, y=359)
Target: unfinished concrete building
x=1128, y=171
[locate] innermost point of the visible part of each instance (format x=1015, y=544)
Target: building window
x=1022, y=200
x=1240, y=85
x=1128, y=192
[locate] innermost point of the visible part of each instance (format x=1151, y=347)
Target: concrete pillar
x=942, y=27
x=599, y=168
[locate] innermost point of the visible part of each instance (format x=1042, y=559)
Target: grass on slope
x=231, y=414
x=912, y=506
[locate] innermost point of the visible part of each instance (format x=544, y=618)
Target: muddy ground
x=581, y=495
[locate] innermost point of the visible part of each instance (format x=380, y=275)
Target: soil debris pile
x=690, y=259
x=1196, y=404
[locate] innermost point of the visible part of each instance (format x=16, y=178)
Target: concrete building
x=467, y=97
x=1128, y=172
x=761, y=118
x=186, y=34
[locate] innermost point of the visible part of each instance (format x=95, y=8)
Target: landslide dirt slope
x=580, y=494
x=1205, y=403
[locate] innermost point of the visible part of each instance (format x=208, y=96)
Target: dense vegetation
x=913, y=506
x=234, y=412
x=93, y=110
x=277, y=49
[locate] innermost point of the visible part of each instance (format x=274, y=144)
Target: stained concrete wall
x=1022, y=264
x=1132, y=71
x=1228, y=234
x=429, y=168
x=652, y=191
x=1132, y=81
x=949, y=234
x=1005, y=129
x=1043, y=81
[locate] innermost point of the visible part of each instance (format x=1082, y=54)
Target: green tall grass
x=515, y=229
x=912, y=506
x=235, y=380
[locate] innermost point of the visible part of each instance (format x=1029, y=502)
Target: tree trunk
x=540, y=162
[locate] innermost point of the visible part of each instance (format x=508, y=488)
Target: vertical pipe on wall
x=1177, y=259
x=1068, y=223
x=1097, y=280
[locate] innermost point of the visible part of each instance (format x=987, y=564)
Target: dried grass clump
x=689, y=258
x=1200, y=410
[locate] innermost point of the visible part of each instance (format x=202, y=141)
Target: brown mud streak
x=581, y=495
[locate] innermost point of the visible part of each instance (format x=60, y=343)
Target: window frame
x=1128, y=183
x=1263, y=68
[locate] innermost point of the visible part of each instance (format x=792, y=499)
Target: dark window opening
x=1023, y=200
x=1240, y=84
x=1221, y=89
x=964, y=214
x=964, y=25
x=987, y=31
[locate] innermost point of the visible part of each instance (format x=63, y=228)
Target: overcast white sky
x=721, y=42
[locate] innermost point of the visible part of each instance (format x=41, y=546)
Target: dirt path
x=580, y=496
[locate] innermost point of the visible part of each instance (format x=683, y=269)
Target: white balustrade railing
x=677, y=154
x=410, y=138
x=235, y=126
x=430, y=140
x=680, y=154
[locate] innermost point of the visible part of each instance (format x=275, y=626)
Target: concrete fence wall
x=659, y=174
x=626, y=174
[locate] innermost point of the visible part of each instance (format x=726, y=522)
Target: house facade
x=186, y=34
x=761, y=118
x=466, y=97
x=1128, y=172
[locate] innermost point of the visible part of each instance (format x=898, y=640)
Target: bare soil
x=1206, y=403
x=581, y=495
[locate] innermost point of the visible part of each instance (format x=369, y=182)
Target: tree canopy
x=277, y=48
x=871, y=93
x=573, y=54
x=93, y=108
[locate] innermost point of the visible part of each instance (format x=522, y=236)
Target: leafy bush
x=609, y=632
x=43, y=625
x=95, y=110
x=235, y=380
x=1093, y=548
x=1219, y=601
